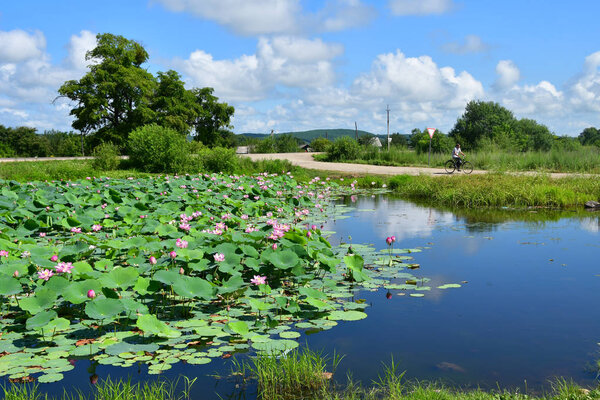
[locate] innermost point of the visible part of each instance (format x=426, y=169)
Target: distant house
x=375, y=142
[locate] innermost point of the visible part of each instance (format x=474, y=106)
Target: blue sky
x=291, y=65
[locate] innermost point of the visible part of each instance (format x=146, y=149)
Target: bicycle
x=465, y=166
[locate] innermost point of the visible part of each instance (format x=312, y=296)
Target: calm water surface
x=528, y=312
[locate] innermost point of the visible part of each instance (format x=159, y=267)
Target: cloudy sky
x=293, y=65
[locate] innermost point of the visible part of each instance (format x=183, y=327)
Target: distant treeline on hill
x=310, y=135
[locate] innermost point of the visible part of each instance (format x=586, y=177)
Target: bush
x=342, y=149
x=153, y=148
x=219, y=159
x=106, y=157
x=320, y=144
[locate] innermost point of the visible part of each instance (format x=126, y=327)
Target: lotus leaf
x=152, y=325
x=351, y=315
x=104, y=309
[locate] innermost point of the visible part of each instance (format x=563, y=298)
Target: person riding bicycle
x=456, y=156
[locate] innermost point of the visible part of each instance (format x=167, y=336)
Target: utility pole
x=355, y=131
x=388, y=126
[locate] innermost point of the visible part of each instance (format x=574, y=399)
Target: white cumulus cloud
x=18, y=46
x=266, y=17
x=420, y=7
x=508, y=74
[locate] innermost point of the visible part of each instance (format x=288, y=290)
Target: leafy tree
x=482, y=120
x=211, y=116
x=342, y=149
x=399, y=140
x=440, y=143
x=23, y=142
x=365, y=140
x=173, y=105
x=113, y=98
x=590, y=136
x=538, y=136
x=320, y=144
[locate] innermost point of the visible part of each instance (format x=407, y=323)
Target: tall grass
x=496, y=190
x=300, y=374
x=108, y=390
x=583, y=160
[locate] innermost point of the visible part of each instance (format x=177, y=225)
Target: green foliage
x=117, y=96
x=219, y=159
x=440, y=143
x=106, y=157
x=153, y=148
x=343, y=148
x=488, y=124
x=114, y=97
x=590, y=136
x=277, y=144
x=320, y=144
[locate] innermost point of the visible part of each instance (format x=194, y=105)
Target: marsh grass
x=583, y=160
x=108, y=390
x=300, y=374
x=496, y=190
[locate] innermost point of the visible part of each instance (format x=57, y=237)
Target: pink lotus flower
x=91, y=294
x=182, y=244
x=45, y=274
x=173, y=254
x=152, y=260
x=389, y=240
x=96, y=227
x=181, y=271
x=274, y=246
x=185, y=226
x=259, y=280
x=393, y=238
x=76, y=230
x=3, y=253
x=54, y=258
x=64, y=268
x=219, y=257
x=308, y=234
x=42, y=234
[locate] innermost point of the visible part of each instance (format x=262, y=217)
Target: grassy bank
x=583, y=160
x=491, y=190
x=305, y=374
x=80, y=169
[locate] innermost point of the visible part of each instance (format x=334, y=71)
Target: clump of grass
x=109, y=390
x=300, y=374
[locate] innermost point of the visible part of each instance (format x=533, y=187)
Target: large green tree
x=118, y=95
x=590, y=136
x=114, y=97
x=482, y=120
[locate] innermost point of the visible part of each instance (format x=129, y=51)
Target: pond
x=525, y=311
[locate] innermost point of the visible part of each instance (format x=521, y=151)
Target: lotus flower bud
x=91, y=294
x=54, y=258
x=181, y=271
x=152, y=260
x=388, y=295
x=16, y=274
x=173, y=254
x=389, y=241
x=274, y=246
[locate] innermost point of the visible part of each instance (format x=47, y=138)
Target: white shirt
x=456, y=152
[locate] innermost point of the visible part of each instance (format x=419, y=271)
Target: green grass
x=297, y=375
x=584, y=160
x=300, y=376
x=495, y=190
x=107, y=390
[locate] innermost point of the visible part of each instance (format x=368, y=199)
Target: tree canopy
x=488, y=123
x=118, y=95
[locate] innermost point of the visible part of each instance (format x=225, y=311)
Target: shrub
x=219, y=159
x=266, y=145
x=320, y=144
x=343, y=148
x=153, y=148
x=106, y=157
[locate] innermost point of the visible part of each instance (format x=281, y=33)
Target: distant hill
x=308, y=136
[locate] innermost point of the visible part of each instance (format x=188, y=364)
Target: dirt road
x=305, y=160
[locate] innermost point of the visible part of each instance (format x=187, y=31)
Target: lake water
x=527, y=312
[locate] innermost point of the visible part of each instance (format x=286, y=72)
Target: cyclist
x=456, y=156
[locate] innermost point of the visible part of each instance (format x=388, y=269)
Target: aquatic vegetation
x=172, y=269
